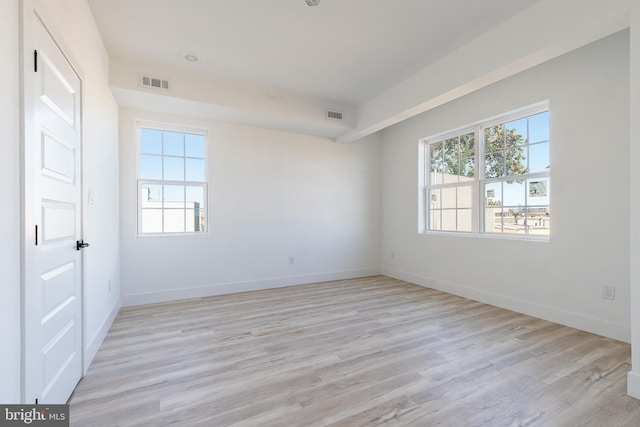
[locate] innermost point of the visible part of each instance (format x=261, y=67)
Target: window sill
x=190, y=234
x=495, y=236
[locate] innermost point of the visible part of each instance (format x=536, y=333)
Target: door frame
x=30, y=10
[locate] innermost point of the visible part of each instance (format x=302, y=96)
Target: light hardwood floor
x=350, y=353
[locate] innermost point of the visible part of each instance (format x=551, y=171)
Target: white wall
x=273, y=194
x=588, y=91
x=201, y=95
x=10, y=214
x=633, y=384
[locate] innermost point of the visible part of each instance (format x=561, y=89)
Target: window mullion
x=162, y=154
x=534, y=175
x=425, y=206
x=479, y=199
x=163, y=208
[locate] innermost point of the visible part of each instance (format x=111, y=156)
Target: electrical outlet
x=609, y=292
x=292, y=260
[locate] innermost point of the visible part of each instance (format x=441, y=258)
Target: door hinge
x=36, y=235
x=35, y=61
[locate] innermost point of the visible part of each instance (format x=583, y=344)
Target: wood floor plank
x=350, y=353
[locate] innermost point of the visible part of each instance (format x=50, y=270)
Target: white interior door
x=53, y=213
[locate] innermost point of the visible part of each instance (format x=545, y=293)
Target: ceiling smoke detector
x=312, y=2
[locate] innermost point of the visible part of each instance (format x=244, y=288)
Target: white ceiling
x=347, y=51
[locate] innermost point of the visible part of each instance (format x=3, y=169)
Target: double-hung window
x=172, y=180
x=452, y=171
x=492, y=177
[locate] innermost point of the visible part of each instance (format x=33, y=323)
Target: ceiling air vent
x=334, y=115
x=155, y=82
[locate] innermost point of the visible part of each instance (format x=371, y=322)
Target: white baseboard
x=633, y=384
x=235, y=287
x=617, y=331
x=92, y=348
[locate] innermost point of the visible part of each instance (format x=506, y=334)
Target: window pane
x=150, y=141
x=494, y=165
x=538, y=192
x=151, y=196
x=451, y=159
x=174, y=221
x=493, y=219
x=435, y=198
x=539, y=157
x=201, y=220
x=516, y=132
x=174, y=168
x=435, y=176
x=540, y=224
x=174, y=196
x=435, y=219
x=150, y=167
x=465, y=196
x=516, y=161
x=467, y=169
x=494, y=139
x=493, y=194
x=435, y=150
x=151, y=221
x=450, y=175
x=194, y=146
x=467, y=145
x=539, y=127
x=449, y=220
x=448, y=198
x=195, y=197
x=465, y=220
x=173, y=143
x=195, y=170
x=195, y=220
x=514, y=219
x=538, y=220
x=514, y=193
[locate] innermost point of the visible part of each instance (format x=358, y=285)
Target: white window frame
x=480, y=180
x=427, y=186
x=160, y=126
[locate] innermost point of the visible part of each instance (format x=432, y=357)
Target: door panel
x=58, y=221
x=53, y=266
x=58, y=158
x=57, y=90
x=58, y=286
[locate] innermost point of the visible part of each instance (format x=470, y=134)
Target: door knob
x=80, y=244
